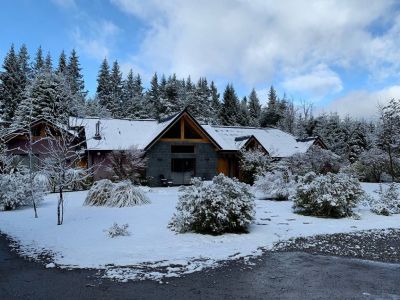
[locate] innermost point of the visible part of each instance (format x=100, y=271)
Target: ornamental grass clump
x=224, y=205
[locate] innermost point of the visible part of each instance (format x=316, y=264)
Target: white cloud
x=96, y=38
x=318, y=83
x=261, y=40
x=363, y=103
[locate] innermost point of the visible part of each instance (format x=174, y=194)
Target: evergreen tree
x=133, y=96
x=23, y=60
x=75, y=77
x=62, y=64
x=215, y=104
x=11, y=85
x=273, y=112
x=230, y=107
x=39, y=62
x=170, y=103
x=48, y=63
x=103, y=92
x=116, y=91
x=243, y=114
x=151, y=102
x=254, y=109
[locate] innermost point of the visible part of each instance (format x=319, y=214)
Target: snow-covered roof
x=276, y=142
x=119, y=134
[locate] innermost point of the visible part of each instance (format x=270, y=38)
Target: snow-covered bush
x=100, y=193
x=124, y=194
x=121, y=194
x=223, y=205
x=43, y=181
x=253, y=162
x=388, y=201
x=117, y=230
x=373, y=165
x=330, y=195
x=277, y=184
x=74, y=176
x=16, y=191
x=317, y=160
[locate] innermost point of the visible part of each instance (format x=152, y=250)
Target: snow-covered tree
x=254, y=109
x=330, y=195
x=225, y=205
x=63, y=154
x=127, y=164
x=373, y=165
x=316, y=160
x=253, y=162
x=103, y=92
x=230, y=107
x=388, y=201
x=278, y=184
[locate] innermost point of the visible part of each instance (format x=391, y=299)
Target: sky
x=342, y=56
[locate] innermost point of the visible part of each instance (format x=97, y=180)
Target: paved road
x=292, y=275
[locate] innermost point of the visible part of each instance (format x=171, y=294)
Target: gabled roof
x=119, y=134
x=18, y=131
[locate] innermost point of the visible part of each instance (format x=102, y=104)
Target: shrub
x=252, y=163
x=277, y=185
x=373, y=166
x=121, y=194
x=317, y=160
x=224, y=205
x=388, y=202
x=117, y=230
x=15, y=191
x=125, y=194
x=100, y=193
x=330, y=195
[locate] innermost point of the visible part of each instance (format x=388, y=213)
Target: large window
x=182, y=149
x=174, y=132
x=190, y=132
x=183, y=164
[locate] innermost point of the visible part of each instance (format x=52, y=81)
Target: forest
x=40, y=87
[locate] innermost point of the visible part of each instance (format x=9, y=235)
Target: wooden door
x=223, y=166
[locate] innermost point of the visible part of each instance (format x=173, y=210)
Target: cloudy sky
x=343, y=56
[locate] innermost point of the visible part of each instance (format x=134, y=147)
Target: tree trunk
x=391, y=162
x=60, y=207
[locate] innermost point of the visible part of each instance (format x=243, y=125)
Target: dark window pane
x=174, y=132
x=190, y=133
x=182, y=149
x=183, y=164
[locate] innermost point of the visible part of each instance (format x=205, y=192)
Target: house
x=180, y=148
x=17, y=141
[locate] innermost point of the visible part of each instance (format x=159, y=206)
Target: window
x=174, y=132
x=183, y=164
x=190, y=133
x=182, y=149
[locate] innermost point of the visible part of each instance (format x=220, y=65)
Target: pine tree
x=23, y=60
x=75, y=77
x=62, y=64
x=103, y=92
x=11, y=85
x=39, y=62
x=48, y=96
x=116, y=91
x=254, y=109
x=273, y=112
x=230, y=107
x=243, y=115
x=48, y=63
x=151, y=101
x=215, y=104
x=133, y=97
x=170, y=103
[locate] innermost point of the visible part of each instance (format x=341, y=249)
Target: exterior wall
x=159, y=160
x=100, y=163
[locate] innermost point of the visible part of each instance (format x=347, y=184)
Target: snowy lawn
x=81, y=241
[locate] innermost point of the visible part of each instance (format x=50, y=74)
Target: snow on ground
x=82, y=243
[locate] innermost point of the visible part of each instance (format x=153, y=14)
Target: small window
x=182, y=149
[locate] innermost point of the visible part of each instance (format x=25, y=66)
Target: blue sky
x=343, y=56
